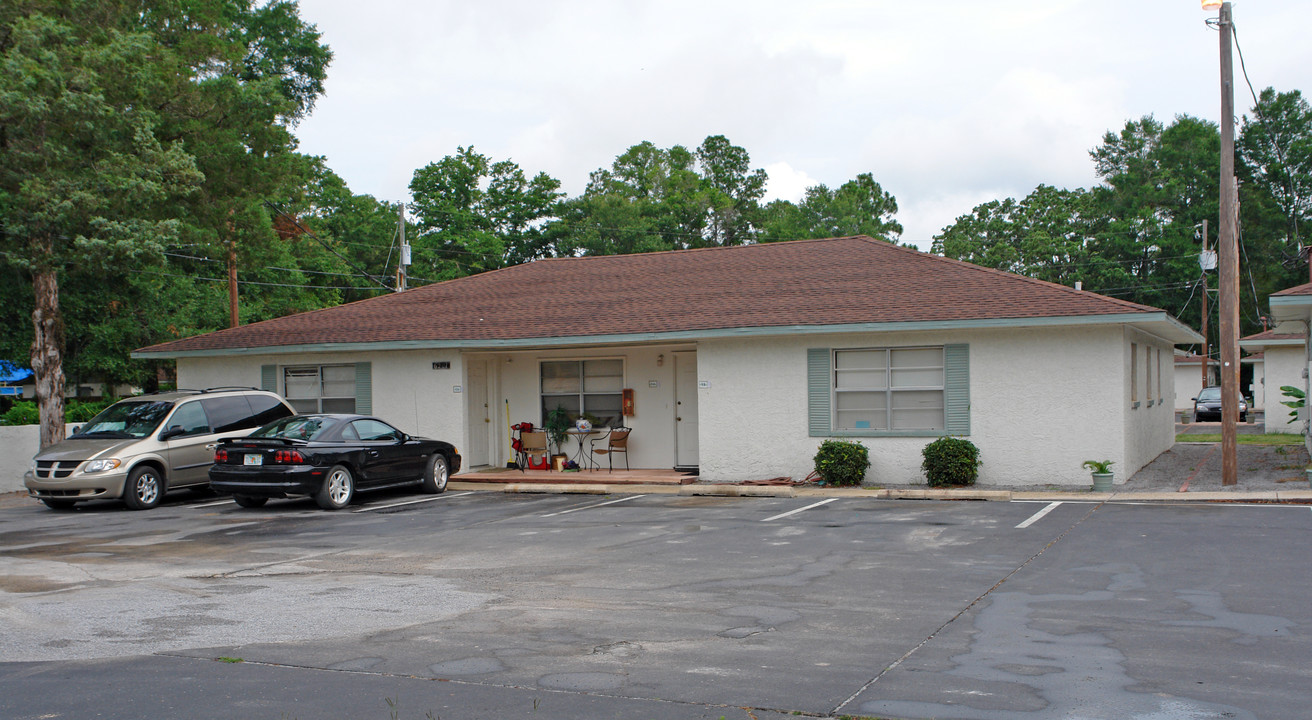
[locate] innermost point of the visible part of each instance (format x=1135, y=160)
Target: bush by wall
x=950, y=461
x=839, y=462
x=23, y=412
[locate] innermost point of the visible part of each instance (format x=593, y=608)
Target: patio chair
x=534, y=444
x=617, y=441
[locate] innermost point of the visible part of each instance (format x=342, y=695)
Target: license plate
x=253, y=460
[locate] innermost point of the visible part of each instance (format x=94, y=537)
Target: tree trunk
x=47, y=355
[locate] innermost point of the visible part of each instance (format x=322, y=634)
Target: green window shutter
x=818, y=391
x=269, y=378
x=956, y=388
x=364, y=389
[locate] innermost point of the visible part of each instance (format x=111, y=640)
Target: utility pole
x=232, y=282
x=1203, y=265
x=1229, y=250
x=405, y=250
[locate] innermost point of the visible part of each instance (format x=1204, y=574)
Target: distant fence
x=18, y=443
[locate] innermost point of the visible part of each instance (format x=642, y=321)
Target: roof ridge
x=1018, y=276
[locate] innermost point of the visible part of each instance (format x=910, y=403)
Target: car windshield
x=297, y=427
x=127, y=419
x=1211, y=394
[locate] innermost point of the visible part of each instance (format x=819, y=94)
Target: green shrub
x=79, y=411
x=24, y=412
x=839, y=462
x=950, y=461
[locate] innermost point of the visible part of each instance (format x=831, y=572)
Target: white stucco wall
x=411, y=394
x=1283, y=365
x=1188, y=381
x=407, y=391
x=18, y=445
x=1149, y=421
x=1042, y=401
x=651, y=444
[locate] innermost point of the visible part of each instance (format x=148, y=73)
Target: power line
x=297, y=223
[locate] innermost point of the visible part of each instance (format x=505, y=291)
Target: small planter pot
x=1102, y=482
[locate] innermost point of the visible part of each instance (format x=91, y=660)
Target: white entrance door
x=480, y=414
x=685, y=409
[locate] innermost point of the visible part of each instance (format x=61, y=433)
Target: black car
x=1207, y=406
x=328, y=457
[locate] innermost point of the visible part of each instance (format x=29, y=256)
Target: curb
x=958, y=494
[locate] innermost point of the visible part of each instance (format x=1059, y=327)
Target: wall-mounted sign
x=457, y=389
x=703, y=384
x=442, y=365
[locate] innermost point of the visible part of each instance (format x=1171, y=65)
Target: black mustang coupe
x=328, y=457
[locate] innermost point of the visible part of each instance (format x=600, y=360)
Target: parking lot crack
x=965, y=610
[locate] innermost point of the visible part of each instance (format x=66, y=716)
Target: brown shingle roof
x=836, y=281
x=1304, y=289
x=1270, y=335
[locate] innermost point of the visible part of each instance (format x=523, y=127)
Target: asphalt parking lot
x=493, y=605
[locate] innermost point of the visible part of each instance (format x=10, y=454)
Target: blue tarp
x=12, y=373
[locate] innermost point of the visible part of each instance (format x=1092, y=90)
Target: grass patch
x=229, y=660
x=1268, y=439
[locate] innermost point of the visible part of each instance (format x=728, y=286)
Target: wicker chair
x=617, y=442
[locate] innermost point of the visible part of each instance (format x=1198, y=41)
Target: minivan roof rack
x=228, y=387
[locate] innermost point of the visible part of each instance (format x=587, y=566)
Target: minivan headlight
x=102, y=465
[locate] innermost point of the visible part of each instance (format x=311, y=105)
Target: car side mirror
x=172, y=432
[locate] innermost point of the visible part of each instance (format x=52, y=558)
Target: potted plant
x=557, y=426
x=1102, y=474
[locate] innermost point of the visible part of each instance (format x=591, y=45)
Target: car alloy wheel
x=337, y=490
x=436, y=474
x=144, y=488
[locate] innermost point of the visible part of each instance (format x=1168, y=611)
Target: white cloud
x=947, y=104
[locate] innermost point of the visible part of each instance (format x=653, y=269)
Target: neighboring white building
x=1283, y=363
x=1189, y=379
x=739, y=361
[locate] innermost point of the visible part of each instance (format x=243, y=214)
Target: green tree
x=83, y=175
x=126, y=128
x=858, y=207
x=1275, y=148
x=654, y=198
x=475, y=215
x=1046, y=235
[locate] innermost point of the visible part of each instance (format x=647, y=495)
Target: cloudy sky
x=947, y=103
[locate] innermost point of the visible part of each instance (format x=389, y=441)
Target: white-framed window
x=1148, y=374
x=320, y=388
x=584, y=388
x=1134, y=373
x=889, y=389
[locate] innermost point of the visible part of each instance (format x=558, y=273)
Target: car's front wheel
x=249, y=501
x=145, y=488
x=437, y=474
x=337, y=489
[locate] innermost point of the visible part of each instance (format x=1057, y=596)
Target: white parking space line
x=443, y=496
x=215, y=503
x=1036, y=516
x=798, y=510
x=586, y=507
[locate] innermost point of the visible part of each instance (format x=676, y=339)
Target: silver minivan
x=139, y=448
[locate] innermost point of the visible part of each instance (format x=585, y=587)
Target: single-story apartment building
x=1189, y=378
x=1291, y=308
x=1279, y=359
x=738, y=361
